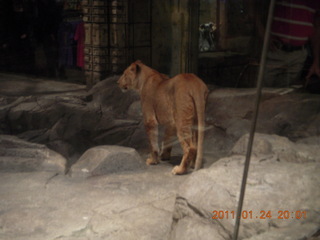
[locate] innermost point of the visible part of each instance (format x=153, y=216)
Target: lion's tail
x=200, y=104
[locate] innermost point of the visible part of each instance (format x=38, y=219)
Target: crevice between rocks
x=182, y=201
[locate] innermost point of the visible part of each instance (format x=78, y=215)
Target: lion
x=178, y=104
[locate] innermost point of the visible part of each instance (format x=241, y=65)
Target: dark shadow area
x=174, y=160
x=37, y=38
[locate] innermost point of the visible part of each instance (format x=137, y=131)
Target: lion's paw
x=177, y=170
x=151, y=161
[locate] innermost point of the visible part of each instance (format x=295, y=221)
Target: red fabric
x=293, y=20
x=80, y=37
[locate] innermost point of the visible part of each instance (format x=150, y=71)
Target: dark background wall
x=163, y=34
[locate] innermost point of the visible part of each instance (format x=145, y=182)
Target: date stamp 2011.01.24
x=263, y=214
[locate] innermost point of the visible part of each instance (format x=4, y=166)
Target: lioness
x=178, y=104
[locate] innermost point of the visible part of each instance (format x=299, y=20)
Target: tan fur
x=178, y=104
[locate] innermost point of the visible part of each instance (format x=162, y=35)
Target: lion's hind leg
x=194, y=142
x=188, y=157
x=169, y=135
x=189, y=150
x=184, y=118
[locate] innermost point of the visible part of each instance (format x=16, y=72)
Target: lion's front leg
x=151, y=126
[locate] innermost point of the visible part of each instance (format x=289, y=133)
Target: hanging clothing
x=67, y=44
x=80, y=38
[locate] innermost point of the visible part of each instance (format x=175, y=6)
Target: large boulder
x=70, y=122
x=294, y=115
x=281, y=199
x=107, y=95
x=280, y=148
x=17, y=155
x=229, y=115
x=105, y=160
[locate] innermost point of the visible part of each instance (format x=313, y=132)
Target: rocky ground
x=130, y=205
x=72, y=166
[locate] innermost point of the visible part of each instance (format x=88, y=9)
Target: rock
x=315, y=140
x=139, y=138
x=119, y=133
x=66, y=118
x=33, y=114
x=296, y=231
x=129, y=205
x=281, y=148
x=64, y=148
x=294, y=115
x=216, y=145
x=107, y=116
x=190, y=228
x=135, y=110
x=106, y=94
x=105, y=160
x=135, y=204
x=17, y=155
x=272, y=187
x=238, y=127
x=228, y=107
x=14, y=85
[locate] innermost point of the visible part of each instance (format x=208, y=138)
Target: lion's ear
x=135, y=68
x=138, y=69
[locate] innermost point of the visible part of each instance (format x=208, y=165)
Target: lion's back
x=176, y=97
x=187, y=84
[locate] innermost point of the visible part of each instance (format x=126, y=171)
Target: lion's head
x=129, y=78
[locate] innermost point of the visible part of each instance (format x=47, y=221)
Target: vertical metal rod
x=109, y=17
x=218, y=21
x=150, y=33
x=91, y=83
x=254, y=120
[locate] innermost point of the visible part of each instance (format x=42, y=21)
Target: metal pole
x=254, y=120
